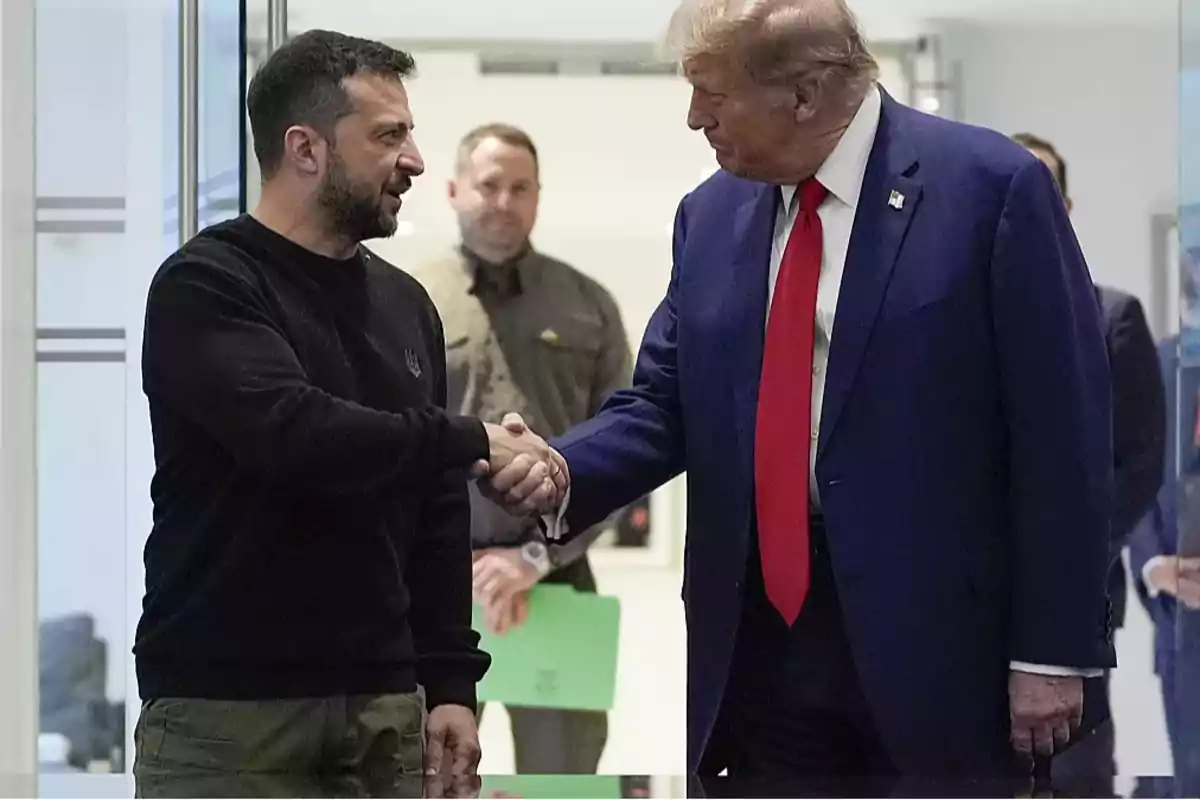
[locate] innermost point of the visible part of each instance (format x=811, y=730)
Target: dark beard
x=354, y=214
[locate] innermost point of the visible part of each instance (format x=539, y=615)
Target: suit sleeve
x=636, y=441
x=1152, y=540
x=214, y=353
x=449, y=661
x=1156, y=535
x=1055, y=393
x=1139, y=418
x=1149, y=540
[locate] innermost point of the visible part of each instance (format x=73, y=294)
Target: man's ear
x=804, y=101
x=452, y=189
x=305, y=149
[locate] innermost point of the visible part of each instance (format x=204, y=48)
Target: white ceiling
x=644, y=20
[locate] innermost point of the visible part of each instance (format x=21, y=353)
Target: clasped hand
x=523, y=474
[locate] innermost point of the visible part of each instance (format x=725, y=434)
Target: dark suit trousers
x=793, y=707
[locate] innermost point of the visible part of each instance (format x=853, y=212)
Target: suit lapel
x=746, y=310
x=886, y=205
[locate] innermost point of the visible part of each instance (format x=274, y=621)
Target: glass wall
x=107, y=160
x=1180, y=652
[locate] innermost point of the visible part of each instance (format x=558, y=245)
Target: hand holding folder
x=563, y=656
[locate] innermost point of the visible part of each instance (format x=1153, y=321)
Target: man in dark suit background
x=889, y=474
x=1164, y=557
x=1139, y=430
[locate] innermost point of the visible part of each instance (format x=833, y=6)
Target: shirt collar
x=842, y=173
x=505, y=279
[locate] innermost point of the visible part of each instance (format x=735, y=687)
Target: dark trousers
x=552, y=741
x=323, y=747
x=793, y=717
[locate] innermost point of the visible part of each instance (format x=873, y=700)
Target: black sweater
x=311, y=518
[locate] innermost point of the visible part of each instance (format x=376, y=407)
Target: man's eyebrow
x=394, y=125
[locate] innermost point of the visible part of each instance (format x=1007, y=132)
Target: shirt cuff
x=556, y=521
x=1151, y=590
x=1057, y=672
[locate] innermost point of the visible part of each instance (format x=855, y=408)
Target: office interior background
x=94, y=168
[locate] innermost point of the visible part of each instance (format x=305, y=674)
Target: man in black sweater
x=309, y=565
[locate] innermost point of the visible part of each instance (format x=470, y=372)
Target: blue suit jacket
x=1158, y=532
x=1139, y=426
x=964, y=461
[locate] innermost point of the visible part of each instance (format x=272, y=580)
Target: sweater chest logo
x=413, y=363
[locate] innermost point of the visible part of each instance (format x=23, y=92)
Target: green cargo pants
x=323, y=747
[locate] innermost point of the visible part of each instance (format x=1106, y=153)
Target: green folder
x=564, y=656
x=551, y=787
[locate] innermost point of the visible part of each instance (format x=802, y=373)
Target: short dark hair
x=509, y=134
x=301, y=84
x=1032, y=142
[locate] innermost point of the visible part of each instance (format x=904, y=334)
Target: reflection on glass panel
x=82, y=221
x=81, y=579
x=220, y=111
x=80, y=187
x=1178, y=618
x=106, y=218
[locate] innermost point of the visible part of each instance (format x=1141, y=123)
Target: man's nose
x=410, y=160
x=697, y=117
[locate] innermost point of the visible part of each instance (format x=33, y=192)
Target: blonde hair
x=781, y=43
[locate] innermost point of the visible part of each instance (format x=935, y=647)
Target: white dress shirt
x=842, y=175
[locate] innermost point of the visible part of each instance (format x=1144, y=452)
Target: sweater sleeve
x=214, y=354
x=449, y=661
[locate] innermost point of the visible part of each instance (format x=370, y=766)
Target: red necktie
x=782, y=437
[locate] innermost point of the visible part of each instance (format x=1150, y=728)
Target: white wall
x=615, y=20
x=644, y=20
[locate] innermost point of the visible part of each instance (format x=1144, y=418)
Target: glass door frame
x=18, y=403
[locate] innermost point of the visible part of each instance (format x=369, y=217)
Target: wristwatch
x=538, y=555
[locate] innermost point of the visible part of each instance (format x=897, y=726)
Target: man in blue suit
x=1139, y=430
x=1168, y=584
x=880, y=362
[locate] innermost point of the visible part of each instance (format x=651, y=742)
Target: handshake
x=523, y=474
